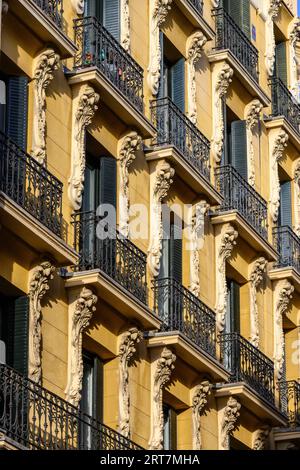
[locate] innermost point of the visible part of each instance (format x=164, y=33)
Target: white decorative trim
x=229, y=422
x=158, y=12
x=294, y=37
x=277, y=152
x=125, y=25
x=197, y=237
x=38, y=287
x=272, y=13
x=127, y=148
x=44, y=66
x=256, y=278
x=80, y=314
x=297, y=197
x=84, y=108
x=200, y=398
x=225, y=245
x=195, y=44
x=252, y=115
x=78, y=6
x=127, y=349
x=260, y=437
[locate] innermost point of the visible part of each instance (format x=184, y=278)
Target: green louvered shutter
x=111, y=15
x=245, y=17
x=178, y=84
x=108, y=181
x=280, y=61
x=17, y=107
x=239, y=147
x=286, y=204
x=176, y=253
x=20, y=335
x=239, y=10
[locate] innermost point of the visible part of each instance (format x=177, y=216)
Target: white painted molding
x=277, y=143
x=294, y=38
x=252, y=116
x=197, y=235
x=258, y=270
x=229, y=422
x=194, y=49
x=200, y=398
x=297, y=197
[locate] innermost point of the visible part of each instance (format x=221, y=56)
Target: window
x=232, y=321
x=107, y=12
x=100, y=182
x=281, y=62
x=239, y=10
x=285, y=212
x=170, y=428
x=235, y=148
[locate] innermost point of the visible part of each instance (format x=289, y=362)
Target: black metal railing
x=287, y=244
x=30, y=185
x=98, y=48
x=174, y=128
x=40, y=420
x=197, y=5
x=181, y=311
x=284, y=103
x=290, y=401
x=239, y=195
x=115, y=255
x=247, y=364
x=230, y=36
x=53, y=9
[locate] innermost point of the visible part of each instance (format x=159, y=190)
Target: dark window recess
x=238, y=147
x=281, y=63
x=233, y=308
x=100, y=183
x=17, y=109
x=107, y=12
x=171, y=265
x=285, y=212
x=170, y=428
x=239, y=10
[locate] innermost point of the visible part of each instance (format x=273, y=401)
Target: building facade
x=150, y=224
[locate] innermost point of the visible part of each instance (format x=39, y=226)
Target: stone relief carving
x=127, y=149
x=80, y=315
x=45, y=65
x=256, y=278
x=294, y=37
x=279, y=146
x=163, y=180
x=125, y=25
x=159, y=10
x=200, y=398
x=195, y=44
x=259, y=438
x=224, y=251
x=229, y=421
x=297, y=197
x=272, y=13
x=252, y=115
x=38, y=287
x=164, y=368
x=84, y=111
x=78, y=6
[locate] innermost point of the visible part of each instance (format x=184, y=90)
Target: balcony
x=197, y=5
x=290, y=401
x=193, y=12
x=53, y=9
x=287, y=265
x=285, y=105
x=34, y=418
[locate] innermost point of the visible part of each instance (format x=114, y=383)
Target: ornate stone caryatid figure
x=195, y=44
x=259, y=438
x=45, y=65
x=163, y=179
x=38, y=287
x=78, y=6
x=220, y=89
x=277, y=152
x=84, y=110
x=297, y=197
x=229, y=422
x=252, y=115
x=225, y=247
x=127, y=149
x=272, y=13
x=80, y=314
x=127, y=349
x=162, y=375
x=256, y=277
x=158, y=12
x=200, y=398
x=294, y=37
x=197, y=235
x=282, y=297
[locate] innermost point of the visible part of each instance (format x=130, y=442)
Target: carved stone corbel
x=229, y=422
x=272, y=13
x=277, y=152
x=127, y=149
x=195, y=44
x=259, y=438
x=256, y=278
x=38, y=287
x=127, y=349
x=294, y=38
x=200, y=398
x=158, y=12
x=80, y=314
x=84, y=108
x=197, y=235
x=225, y=245
x=252, y=115
x=78, y=6
x=45, y=65
x=162, y=375
x=297, y=197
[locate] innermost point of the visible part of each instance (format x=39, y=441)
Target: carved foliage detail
x=282, y=297
x=195, y=46
x=200, y=399
x=229, y=421
x=256, y=279
x=279, y=146
x=252, y=115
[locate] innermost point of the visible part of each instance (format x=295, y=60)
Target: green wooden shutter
x=178, y=84
x=281, y=62
x=111, y=15
x=108, y=181
x=245, y=17
x=176, y=253
x=286, y=204
x=20, y=340
x=239, y=10
x=17, y=107
x=239, y=147
x=98, y=389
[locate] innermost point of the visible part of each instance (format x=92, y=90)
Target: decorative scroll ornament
x=84, y=113
x=164, y=368
x=38, y=287
x=200, y=399
x=252, y=115
x=279, y=146
x=125, y=25
x=297, y=197
x=79, y=320
x=127, y=153
x=127, y=349
x=197, y=240
x=227, y=243
x=78, y=6
x=223, y=80
x=159, y=10
x=229, y=421
x=195, y=44
x=259, y=438
x=163, y=180
x=273, y=10
x=294, y=37
x=282, y=297
x=45, y=65
x=256, y=279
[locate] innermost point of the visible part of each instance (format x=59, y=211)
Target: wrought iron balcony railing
x=247, y=364
x=239, y=195
x=290, y=401
x=98, y=48
x=40, y=420
x=181, y=311
x=230, y=36
x=30, y=185
x=116, y=256
x=174, y=128
x=287, y=244
x=284, y=103
x=197, y=5
x=53, y=9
